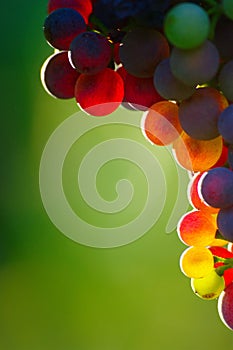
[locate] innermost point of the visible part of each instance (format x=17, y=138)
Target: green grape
x=187, y=25
x=228, y=8
x=208, y=287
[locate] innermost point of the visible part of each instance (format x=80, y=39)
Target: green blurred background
x=54, y=293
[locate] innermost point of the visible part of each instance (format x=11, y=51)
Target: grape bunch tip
x=172, y=60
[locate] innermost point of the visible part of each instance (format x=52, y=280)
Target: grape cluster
x=173, y=60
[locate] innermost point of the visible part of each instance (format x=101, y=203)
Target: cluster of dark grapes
x=173, y=60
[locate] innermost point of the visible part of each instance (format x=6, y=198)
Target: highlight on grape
x=171, y=61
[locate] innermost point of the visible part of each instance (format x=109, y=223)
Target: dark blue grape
x=225, y=124
x=225, y=223
x=230, y=157
x=217, y=187
x=62, y=26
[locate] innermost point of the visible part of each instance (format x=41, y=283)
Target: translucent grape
x=197, y=155
x=225, y=306
x=200, y=113
x=99, y=94
x=208, y=287
x=141, y=51
x=187, y=25
x=168, y=85
x=196, y=229
x=58, y=76
x=216, y=187
x=161, y=123
x=225, y=124
x=196, y=262
x=196, y=66
x=140, y=92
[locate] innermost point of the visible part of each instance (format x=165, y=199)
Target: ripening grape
x=208, y=287
x=223, y=158
x=83, y=7
x=141, y=50
x=168, y=85
x=62, y=26
x=225, y=223
x=200, y=113
x=225, y=124
x=194, y=198
x=90, y=52
x=186, y=25
x=140, y=92
x=99, y=94
x=196, y=155
x=225, y=80
x=216, y=187
x=160, y=123
x=228, y=8
x=223, y=38
x=225, y=306
x=196, y=66
x=196, y=262
x=196, y=229
x=58, y=76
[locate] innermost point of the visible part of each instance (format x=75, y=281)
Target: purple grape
x=62, y=26
x=217, y=187
x=225, y=223
x=168, y=85
x=225, y=80
x=225, y=306
x=90, y=52
x=225, y=124
x=230, y=157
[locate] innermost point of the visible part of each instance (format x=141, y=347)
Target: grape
x=196, y=155
x=216, y=187
x=196, y=229
x=194, y=198
x=230, y=157
x=223, y=38
x=223, y=158
x=99, y=94
x=161, y=124
x=199, y=114
x=225, y=306
x=228, y=8
x=142, y=50
x=209, y=287
x=62, y=26
x=225, y=80
x=168, y=85
x=187, y=26
x=140, y=92
x=83, y=7
x=196, y=66
x=225, y=223
x=58, y=77
x=196, y=262
x=90, y=52
x=225, y=124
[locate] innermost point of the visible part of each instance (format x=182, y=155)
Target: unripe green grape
x=187, y=25
x=208, y=287
x=228, y=8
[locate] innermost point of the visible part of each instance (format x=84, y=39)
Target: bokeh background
x=56, y=294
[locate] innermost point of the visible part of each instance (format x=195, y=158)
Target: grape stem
x=228, y=264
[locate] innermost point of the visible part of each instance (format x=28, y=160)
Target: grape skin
x=225, y=306
x=196, y=66
x=225, y=223
x=225, y=80
x=186, y=26
x=225, y=124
